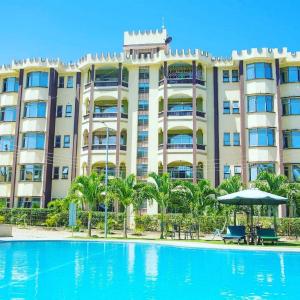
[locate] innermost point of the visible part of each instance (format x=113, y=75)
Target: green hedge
x=39, y=217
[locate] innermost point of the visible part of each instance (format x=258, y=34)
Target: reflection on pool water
x=96, y=270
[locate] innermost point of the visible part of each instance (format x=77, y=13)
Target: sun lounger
x=235, y=233
x=267, y=235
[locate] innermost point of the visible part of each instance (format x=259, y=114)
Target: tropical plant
x=293, y=195
x=124, y=191
x=162, y=189
x=90, y=190
x=231, y=185
x=202, y=197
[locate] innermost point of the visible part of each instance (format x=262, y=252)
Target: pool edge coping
x=181, y=244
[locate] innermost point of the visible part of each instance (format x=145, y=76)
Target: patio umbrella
x=252, y=197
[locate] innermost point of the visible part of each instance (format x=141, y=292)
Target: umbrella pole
x=274, y=216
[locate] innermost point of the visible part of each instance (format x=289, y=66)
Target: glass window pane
x=293, y=74
x=251, y=104
x=295, y=106
x=296, y=173
x=259, y=70
x=262, y=137
x=268, y=71
x=252, y=137
x=260, y=103
x=250, y=71
x=296, y=139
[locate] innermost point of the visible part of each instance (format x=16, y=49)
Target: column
x=17, y=133
x=91, y=113
x=118, y=133
x=50, y=132
x=194, y=104
x=75, y=126
x=165, y=118
x=243, y=122
x=216, y=127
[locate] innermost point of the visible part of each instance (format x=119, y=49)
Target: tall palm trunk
x=125, y=223
x=162, y=222
x=90, y=223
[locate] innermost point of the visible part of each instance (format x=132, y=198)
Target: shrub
x=2, y=219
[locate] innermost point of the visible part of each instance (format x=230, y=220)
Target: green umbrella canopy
x=252, y=197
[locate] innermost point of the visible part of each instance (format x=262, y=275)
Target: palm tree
x=90, y=190
x=124, y=191
x=231, y=185
x=293, y=195
x=201, y=196
x=162, y=189
x=272, y=183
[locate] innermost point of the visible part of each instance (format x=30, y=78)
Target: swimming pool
x=99, y=270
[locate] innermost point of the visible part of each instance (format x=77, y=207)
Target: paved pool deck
x=43, y=234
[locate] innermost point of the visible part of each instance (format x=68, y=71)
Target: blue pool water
x=93, y=270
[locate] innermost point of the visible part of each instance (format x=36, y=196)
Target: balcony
x=103, y=147
x=182, y=73
x=108, y=77
x=183, y=113
x=182, y=146
x=183, y=170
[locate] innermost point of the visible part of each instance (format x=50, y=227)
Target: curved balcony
x=182, y=113
x=182, y=73
x=103, y=147
x=182, y=146
x=108, y=77
x=181, y=170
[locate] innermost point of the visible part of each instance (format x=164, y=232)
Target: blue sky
x=70, y=29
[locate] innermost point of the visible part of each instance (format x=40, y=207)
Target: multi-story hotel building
x=183, y=112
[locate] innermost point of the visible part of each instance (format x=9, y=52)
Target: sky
x=68, y=29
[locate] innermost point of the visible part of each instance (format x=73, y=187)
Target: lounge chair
x=235, y=233
x=267, y=235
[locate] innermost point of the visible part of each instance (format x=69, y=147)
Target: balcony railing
x=103, y=147
x=183, y=174
x=105, y=115
x=182, y=113
x=181, y=146
x=112, y=83
x=182, y=81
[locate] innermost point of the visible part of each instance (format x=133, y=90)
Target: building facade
x=183, y=112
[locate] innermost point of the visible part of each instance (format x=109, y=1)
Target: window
x=235, y=76
x=290, y=106
x=5, y=173
x=180, y=139
x=57, y=141
x=143, y=119
x=8, y=114
x=260, y=103
x=142, y=136
x=143, y=104
x=33, y=140
x=290, y=74
x=236, y=139
x=226, y=139
x=7, y=143
x=226, y=107
x=66, y=141
x=142, y=152
x=141, y=170
x=35, y=110
x=296, y=173
x=225, y=76
x=70, y=82
x=59, y=111
x=144, y=73
x=37, y=79
x=227, y=172
x=61, y=81
x=291, y=139
x=31, y=172
x=143, y=87
x=68, y=112
x=235, y=107
x=65, y=173
x=10, y=84
x=237, y=170
x=256, y=169
x=259, y=71
x=29, y=202
x=56, y=173
x=261, y=137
